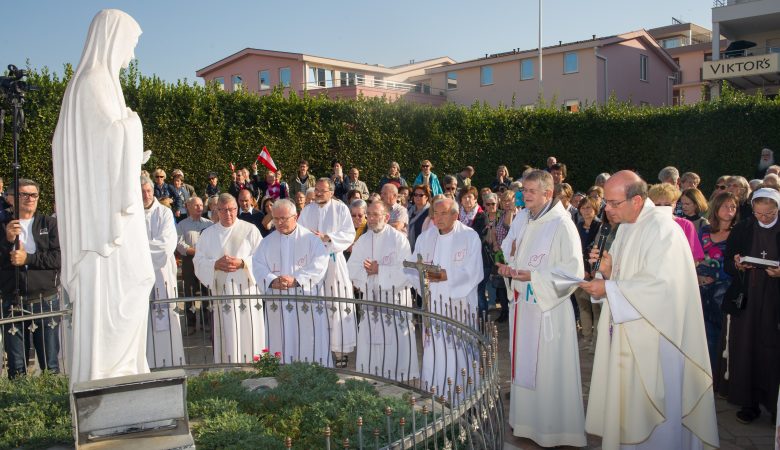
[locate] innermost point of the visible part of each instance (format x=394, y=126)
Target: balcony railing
x=459, y=408
x=373, y=82
x=753, y=51
x=721, y=3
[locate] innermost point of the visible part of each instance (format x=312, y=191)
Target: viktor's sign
x=741, y=67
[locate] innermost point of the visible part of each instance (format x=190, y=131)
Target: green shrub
x=201, y=129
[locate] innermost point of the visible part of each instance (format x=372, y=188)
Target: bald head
x=624, y=193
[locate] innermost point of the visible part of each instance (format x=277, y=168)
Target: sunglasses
x=426, y=165
x=720, y=186
x=419, y=195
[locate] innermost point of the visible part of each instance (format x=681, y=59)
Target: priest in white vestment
x=509, y=247
x=652, y=384
x=331, y=221
x=457, y=250
x=387, y=345
x=292, y=260
x=223, y=263
x=546, y=396
x=97, y=153
x=164, y=347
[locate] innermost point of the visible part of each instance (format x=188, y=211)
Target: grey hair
x=226, y=198
x=284, y=203
x=490, y=196
x=190, y=201
x=391, y=187
x=669, y=174
x=602, y=178
x=145, y=180
x=359, y=203
x=384, y=207
x=331, y=184
x=542, y=177
x=309, y=191
x=516, y=185
x=637, y=188
x=453, y=208
x=28, y=182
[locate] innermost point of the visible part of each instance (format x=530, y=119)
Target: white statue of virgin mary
x=97, y=155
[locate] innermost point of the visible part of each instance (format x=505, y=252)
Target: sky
x=180, y=37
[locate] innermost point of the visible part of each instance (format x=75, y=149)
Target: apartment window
x=452, y=80
x=674, y=42
x=320, y=77
x=351, y=78
x=486, y=75
x=643, y=67
x=572, y=105
x=571, y=63
x=264, y=78
x=285, y=76
x=220, y=83
x=526, y=69
x=238, y=83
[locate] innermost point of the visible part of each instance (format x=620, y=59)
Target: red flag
x=265, y=158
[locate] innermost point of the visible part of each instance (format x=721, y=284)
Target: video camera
x=13, y=85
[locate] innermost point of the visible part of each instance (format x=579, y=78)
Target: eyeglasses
x=720, y=186
x=318, y=191
x=768, y=215
x=283, y=219
x=357, y=216
x=490, y=204
x=614, y=203
x=159, y=176
x=426, y=165
x=28, y=195
x=450, y=188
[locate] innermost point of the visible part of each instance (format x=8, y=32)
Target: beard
x=376, y=228
x=763, y=165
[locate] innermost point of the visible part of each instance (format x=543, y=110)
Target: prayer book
x=759, y=262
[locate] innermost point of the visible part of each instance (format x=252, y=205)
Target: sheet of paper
x=565, y=280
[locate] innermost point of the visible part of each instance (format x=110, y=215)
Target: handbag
x=735, y=299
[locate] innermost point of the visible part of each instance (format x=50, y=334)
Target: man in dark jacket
x=38, y=260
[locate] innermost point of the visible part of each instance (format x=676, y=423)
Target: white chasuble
x=297, y=330
x=546, y=397
x=652, y=383
x=164, y=346
x=334, y=219
x=387, y=345
x=97, y=151
x=238, y=326
x=459, y=253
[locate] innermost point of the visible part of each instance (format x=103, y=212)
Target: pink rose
x=256, y=358
x=278, y=355
x=265, y=350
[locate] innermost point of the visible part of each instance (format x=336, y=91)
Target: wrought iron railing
x=454, y=396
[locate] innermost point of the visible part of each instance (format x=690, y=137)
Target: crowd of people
x=615, y=269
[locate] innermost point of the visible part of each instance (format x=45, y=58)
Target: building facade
x=260, y=71
x=751, y=61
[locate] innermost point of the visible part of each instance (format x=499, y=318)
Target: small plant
x=266, y=364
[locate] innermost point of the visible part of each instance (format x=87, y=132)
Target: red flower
x=256, y=358
x=265, y=350
x=278, y=355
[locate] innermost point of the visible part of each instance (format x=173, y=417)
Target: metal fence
x=443, y=354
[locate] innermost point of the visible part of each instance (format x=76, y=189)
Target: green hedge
x=199, y=129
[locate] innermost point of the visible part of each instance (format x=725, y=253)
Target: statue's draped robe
x=97, y=151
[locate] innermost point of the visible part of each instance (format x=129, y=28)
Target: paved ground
x=733, y=435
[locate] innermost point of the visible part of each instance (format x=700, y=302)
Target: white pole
x=541, y=88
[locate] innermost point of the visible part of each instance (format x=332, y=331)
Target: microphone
x=601, y=240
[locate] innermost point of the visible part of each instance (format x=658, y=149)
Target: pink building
x=630, y=66
x=260, y=71
x=690, y=45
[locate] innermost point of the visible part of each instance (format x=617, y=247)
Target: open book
x=759, y=262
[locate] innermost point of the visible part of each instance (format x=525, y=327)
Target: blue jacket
x=433, y=181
